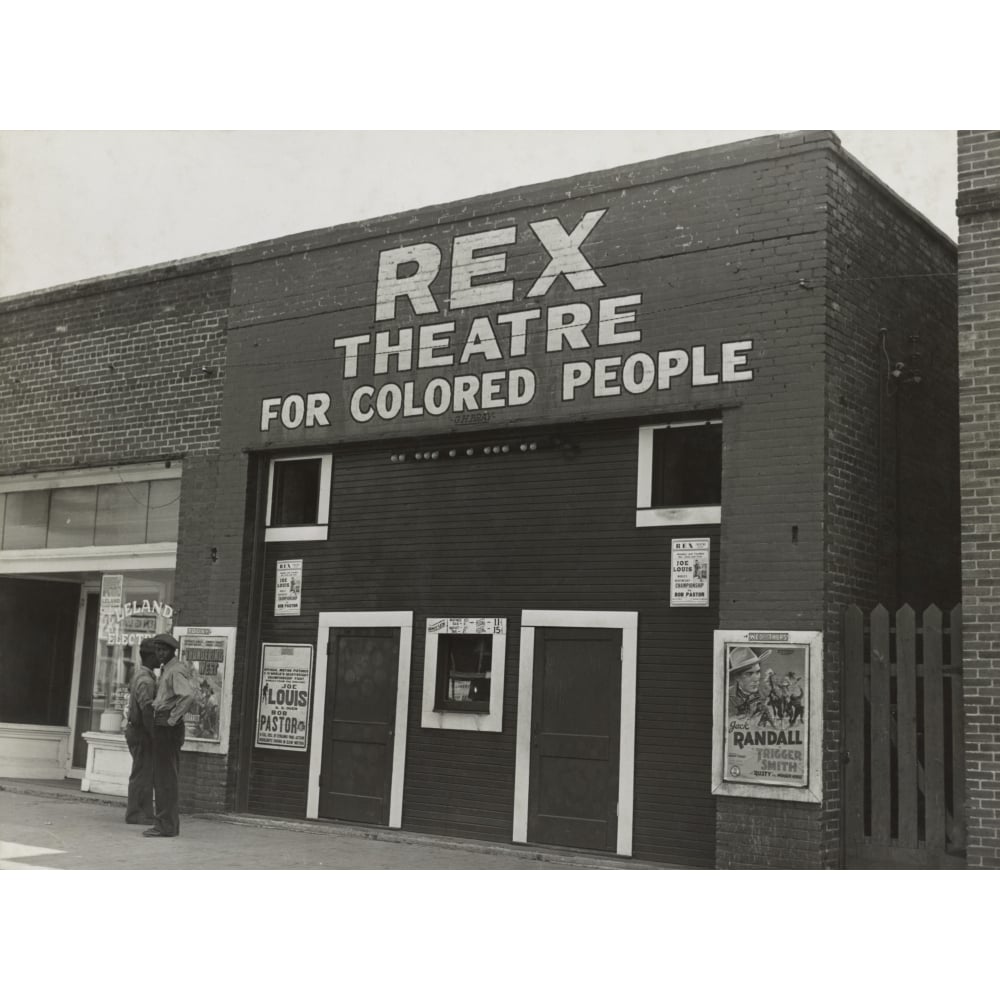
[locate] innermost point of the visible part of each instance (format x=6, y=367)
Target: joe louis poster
x=768, y=719
x=288, y=587
x=283, y=704
x=689, y=559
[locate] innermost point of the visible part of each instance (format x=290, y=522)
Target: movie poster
x=207, y=656
x=210, y=652
x=767, y=723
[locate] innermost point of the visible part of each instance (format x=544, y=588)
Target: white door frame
x=403, y=620
x=74, y=691
x=628, y=623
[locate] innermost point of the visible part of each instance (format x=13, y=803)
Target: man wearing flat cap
x=175, y=694
x=744, y=683
x=139, y=735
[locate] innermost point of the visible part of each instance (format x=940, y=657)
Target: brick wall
x=884, y=268
x=123, y=370
x=979, y=367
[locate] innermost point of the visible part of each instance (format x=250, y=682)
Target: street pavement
x=48, y=831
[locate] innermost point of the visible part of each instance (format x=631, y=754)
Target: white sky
x=77, y=204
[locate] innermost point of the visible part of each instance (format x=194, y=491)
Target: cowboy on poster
x=768, y=720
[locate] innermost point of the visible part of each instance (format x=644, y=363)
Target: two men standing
x=156, y=748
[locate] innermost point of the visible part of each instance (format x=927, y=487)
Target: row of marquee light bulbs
x=490, y=449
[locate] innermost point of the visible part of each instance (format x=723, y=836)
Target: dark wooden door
x=575, y=725
x=358, y=724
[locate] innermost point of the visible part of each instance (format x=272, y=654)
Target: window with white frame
x=463, y=673
x=298, y=498
x=680, y=473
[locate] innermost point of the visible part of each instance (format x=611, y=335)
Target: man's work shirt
x=175, y=693
x=140, y=705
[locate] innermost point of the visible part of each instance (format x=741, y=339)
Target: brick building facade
x=487, y=393
x=979, y=366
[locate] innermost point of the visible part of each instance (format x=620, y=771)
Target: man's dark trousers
x=167, y=743
x=140, y=780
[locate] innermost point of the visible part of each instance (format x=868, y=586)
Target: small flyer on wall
x=768, y=714
x=288, y=587
x=689, y=562
x=283, y=704
x=112, y=592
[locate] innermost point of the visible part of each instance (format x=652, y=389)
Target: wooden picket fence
x=904, y=772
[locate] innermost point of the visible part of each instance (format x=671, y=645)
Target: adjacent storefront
x=86, y=571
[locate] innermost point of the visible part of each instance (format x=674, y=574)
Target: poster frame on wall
x=262, y=679
x=806, y=648
x=183, y=634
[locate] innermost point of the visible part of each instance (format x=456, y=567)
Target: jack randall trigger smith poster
x=768, y=718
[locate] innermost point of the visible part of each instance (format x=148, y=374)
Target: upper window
x=298, y=498
x=680, y=473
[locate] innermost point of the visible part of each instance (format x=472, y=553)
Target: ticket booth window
x=464, y=672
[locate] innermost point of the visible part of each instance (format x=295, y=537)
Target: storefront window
x=26, y=520
x=121, y=513
x=117, y=513
x=132, y=609
x=71, y=516
x=164, y=505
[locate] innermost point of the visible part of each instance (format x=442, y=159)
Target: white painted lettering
x=415, y=286
x=575, y=374
x=465, y=393
x=481, y=341
x=518, y=329
x=606, y=377
x=350, y=346
x=634, y=381
x=567, y=323
x=410, y=409
x=492, y=387
x=670, y=364
x=437, y=396
x=433, y=338
x=698, y=376
x=317, y=405
x=389, y=401
x=610, y=318
x=465, y=266
x=733, y=358
x=522, y=387
x=564, y=250
x=402, y=350
x=293, y=411
x=362, y=395
x=269, y=411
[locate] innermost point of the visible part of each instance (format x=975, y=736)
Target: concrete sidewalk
x=345, y=845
